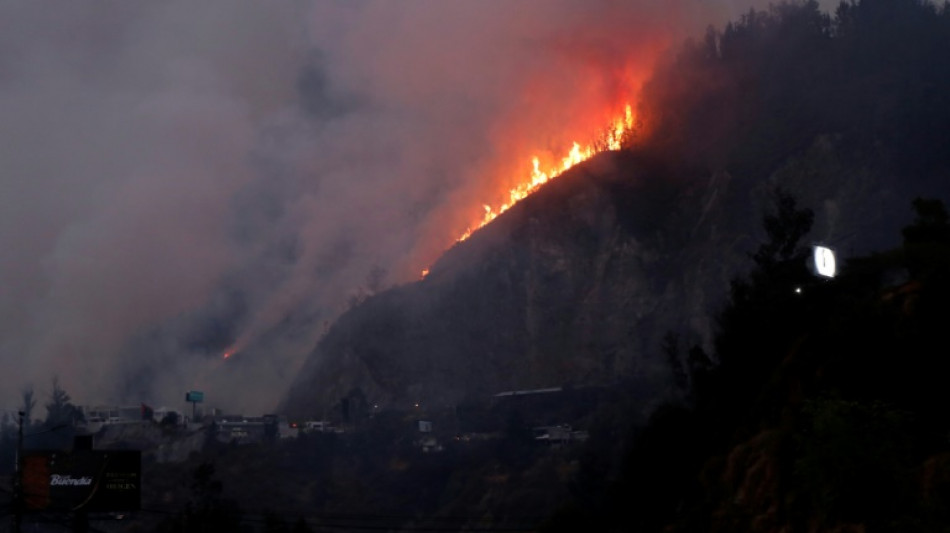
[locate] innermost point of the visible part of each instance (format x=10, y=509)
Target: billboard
x=86, y=480
x=195, y=396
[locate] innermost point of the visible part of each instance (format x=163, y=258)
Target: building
x=246, y=430
x=98, y=416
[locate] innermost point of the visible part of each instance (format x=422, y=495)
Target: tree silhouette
x=785, y=229
x=29, y=402
x=931, y=224
x=60, y=409
x=764, y=316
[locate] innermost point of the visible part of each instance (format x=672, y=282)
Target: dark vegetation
x=820, y=410
x=746, y=98
x=54, y=432
x=856, y=99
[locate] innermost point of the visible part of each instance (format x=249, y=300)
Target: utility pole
x=18, y=477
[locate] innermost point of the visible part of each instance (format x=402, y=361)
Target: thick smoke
x=180, y=179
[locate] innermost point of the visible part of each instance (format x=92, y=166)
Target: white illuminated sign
x=824, y=261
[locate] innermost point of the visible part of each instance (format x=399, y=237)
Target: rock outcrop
x=575, y=285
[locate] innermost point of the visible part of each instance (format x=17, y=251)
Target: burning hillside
x=619, y=133
x=614, y=137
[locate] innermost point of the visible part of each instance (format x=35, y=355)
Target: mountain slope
x=572, y=286
x=579, y=283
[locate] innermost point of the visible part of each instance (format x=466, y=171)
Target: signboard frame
x=82, y=480
x=194, y=396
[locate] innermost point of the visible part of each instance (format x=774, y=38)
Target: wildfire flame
x=612, y=139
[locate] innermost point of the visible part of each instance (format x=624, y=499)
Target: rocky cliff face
x=575, y=285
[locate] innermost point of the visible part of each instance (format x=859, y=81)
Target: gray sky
x=157, y=159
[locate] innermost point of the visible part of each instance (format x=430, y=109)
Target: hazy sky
x=177, y=177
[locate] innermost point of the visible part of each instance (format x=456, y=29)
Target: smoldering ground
x=183, y=179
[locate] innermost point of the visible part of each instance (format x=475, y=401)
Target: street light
x=823, y=262
x=18, y=476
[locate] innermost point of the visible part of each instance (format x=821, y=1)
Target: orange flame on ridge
x=612, y=139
